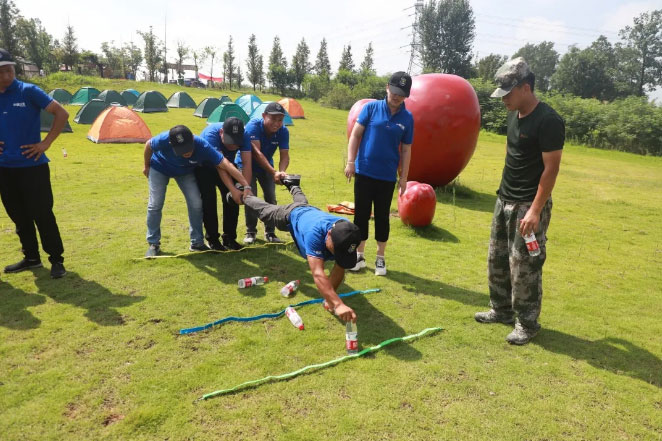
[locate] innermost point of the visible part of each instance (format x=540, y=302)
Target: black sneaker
x=23, y=265
x=57, y=270
x=216, y=245
x=153, y=250
x=232, y=244
x=290, y=181
x=199, y=247
x=272, y=238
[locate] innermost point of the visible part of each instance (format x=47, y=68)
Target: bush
x=340, y=96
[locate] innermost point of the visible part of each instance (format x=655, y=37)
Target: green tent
x=89, y=112
x=129, y=97
x=133, y=91
x=259, y=110
x=225, y=99
x=181, y=100
x=248, y=103
x=206, y=107
x=111, y=96
x=83, y=95
x=62, y=96
x=47, y=122
x=150, y=101
x=225, y=111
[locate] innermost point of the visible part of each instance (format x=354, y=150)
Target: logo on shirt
x=402, y=126
x=19, y=104
x=318, y=252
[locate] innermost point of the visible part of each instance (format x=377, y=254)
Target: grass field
x=97, y=355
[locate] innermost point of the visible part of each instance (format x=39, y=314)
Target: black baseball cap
x=400, y=83
x=346, y=237
x=233, y=131
x=5, y=58
x=181, y=140
x=274, y=108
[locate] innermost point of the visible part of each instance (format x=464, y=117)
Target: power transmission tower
x=415, y=47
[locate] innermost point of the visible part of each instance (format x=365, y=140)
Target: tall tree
x=346, y=61
x=8, y=16
x=643, y=50
x=238, y=76
x=210, y=51
x=199, y=57
x=254, y=63
x=36, y=43
x=228, y=63
x=277, y=74
x=322, y=65
x=487, y=66
x=367, y=65
x=542, y=59
x=92, y=59
x=153, y=53
x=115, y=59
x=587, y=73
x=182, y=54
x=70, y=52
x=133, y=58
x=300, y=64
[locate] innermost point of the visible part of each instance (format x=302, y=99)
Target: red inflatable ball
x=355, y=111
x=416, y=206
x=446, y=124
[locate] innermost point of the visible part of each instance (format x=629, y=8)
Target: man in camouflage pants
x=536, y=134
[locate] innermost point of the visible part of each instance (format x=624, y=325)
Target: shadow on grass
x=99, y=302
x=464, y=197
x=13, y=308
x=433, y=232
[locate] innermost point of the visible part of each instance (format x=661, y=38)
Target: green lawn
x=97, y=355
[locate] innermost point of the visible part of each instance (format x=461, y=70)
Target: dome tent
x=259, y=110
x=129, y=97
x=292, y=107
x=181, y=100
x=62, y=96
x=46, y=120
x=225, y=111
x=111, y=96
x=83, y=95
x=150, y=102
x=119, y=124
x=248, y=103
x=89, y=112
x=225, y=99
x=206, y=107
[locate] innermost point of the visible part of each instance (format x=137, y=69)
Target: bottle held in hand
x=532, y=244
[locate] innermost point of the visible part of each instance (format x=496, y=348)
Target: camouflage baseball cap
x=509, y=75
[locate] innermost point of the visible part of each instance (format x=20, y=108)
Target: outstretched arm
x=327, y=287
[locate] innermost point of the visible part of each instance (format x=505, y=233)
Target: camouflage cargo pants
x=514, y=277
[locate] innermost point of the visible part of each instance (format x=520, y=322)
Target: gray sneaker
x=492, y=316
x=249, y=239
x=153, y=250
x=272, y=238
x=521, y=335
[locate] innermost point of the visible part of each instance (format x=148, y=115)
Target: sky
x=502, y=27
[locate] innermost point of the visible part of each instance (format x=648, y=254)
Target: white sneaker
x=360, y=263
x=380, y=267
x=250, y=238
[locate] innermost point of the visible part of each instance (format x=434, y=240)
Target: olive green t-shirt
x=542, y=130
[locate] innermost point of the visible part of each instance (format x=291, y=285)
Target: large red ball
x=416, y=206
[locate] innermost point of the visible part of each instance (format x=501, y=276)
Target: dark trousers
x=28, y=198
x=208, y=181
x=277, y=216
x=369, y=192
x=269, y=189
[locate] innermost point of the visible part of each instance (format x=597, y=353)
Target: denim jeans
x=158, y=184
x=269, y=188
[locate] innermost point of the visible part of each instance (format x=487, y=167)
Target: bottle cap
x=301, y=328
x=266, y=279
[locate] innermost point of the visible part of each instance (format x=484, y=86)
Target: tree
x=93, y=59
x=367, y=65
x=447, y=30
x=35, y=42
x=542, y=59
x=300, y=64
x=199, y=57
x=254, y=63
x=277, y=73
x=70, y=53
x=487, y=66
x=8, y=16
x=346, y=62
x=133, y=58
x=182, y=54
x=115, y=59
x=238, y=76
x=228, y=63
x=210, y=51
x=643, y=51
x=152, y=53
x=322, y=65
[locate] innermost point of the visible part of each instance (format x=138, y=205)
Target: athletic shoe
x=360, y=264
x=57, y=270
x=23, y=265
x=380, y=267
x=249, y=239
x=232, y=244
x=198, y=247
x=492, y=316
x=153, y=250
x=271, y=238
x=216, y=245
x=290, y=181
x=521, y=335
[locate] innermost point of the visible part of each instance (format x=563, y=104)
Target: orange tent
x=293, y=107
x=118, y=125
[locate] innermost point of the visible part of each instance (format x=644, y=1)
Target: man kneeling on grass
x=175, y=154
x=319, y=237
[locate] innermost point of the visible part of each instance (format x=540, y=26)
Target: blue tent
x=248, y=103
x=259, y=110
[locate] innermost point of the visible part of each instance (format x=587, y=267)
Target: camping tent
x=248, y=103
x=292, y=107
x=62, y=96
x=111, y=96
x=47, y=122
x=133, y=91
x=259, y=110
x=206, y=107
x=225, y=99
x=225, y=111
x=181, y=100
x=83, y=95
x=89, y=112
x=129, y=97
x=119, y=124
x=150, y=102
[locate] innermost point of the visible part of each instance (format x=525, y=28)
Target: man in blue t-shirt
x=380, y=147
x=319, y=237
x=228, y=139
x=265, y=136
x=175, y=154
x=25, y=184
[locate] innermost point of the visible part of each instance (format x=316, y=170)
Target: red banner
x=207, y=77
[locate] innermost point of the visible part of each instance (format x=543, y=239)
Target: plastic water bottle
x=532, y=245
x=252, y=281
x=64, y=153
x=294, y=317
x=288, y=290
x=351, y=338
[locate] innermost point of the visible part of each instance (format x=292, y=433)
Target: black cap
x=274, y=108
x=181, y=140
x=233, y=131
x=346, y=237
x=5, y=58
x=400, y=83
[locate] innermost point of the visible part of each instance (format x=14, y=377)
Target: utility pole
x=165, y=49
x=415, y=46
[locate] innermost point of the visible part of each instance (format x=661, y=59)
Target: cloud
x=623, y=16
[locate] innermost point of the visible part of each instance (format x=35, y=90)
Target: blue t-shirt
x=379, y=155
x=308, y=226
x=212, y=134
x=20, y=124
x=165, y=161
x=254, y=131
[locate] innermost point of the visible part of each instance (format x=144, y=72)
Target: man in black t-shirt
x=536, y=134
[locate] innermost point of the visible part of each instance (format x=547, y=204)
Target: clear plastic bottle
x=532, y=244
x=294, y=317
x=351, y=338
x=64, y=153
x=288, y=290
x=252, y=281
